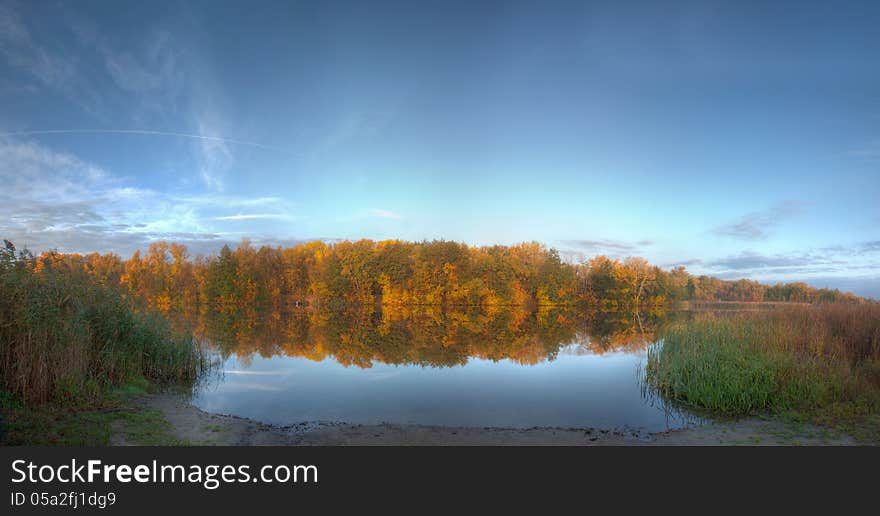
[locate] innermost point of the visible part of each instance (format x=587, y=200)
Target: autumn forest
x=398, y=273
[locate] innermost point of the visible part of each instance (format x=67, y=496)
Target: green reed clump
x=811, y=358
x=63, y=338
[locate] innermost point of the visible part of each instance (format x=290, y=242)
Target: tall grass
x=805, y=358
x=64, y=338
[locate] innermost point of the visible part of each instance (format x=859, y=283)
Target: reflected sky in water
x=587, y=383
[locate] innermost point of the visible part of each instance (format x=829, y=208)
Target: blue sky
x=739, y=139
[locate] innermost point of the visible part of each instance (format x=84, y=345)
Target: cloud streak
x=858, y=260
x=868, y=152
x=757, y=225
x=385, y=214
x=750, y=260
x=217, y=139
x=607, y=246
x=49, y=67
x=252, y=216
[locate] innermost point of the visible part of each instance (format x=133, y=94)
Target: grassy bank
x=70, y=346
x=116, y=412
x=819, y=363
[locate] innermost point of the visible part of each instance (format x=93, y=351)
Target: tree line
x=399, y=273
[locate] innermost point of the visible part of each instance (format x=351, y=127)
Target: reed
x=64, y=338
x=805, y=358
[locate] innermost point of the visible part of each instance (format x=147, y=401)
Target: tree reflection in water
x=424, y=336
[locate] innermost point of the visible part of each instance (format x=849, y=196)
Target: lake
x=507, y=368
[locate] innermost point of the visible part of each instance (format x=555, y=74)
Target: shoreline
x=191, y=425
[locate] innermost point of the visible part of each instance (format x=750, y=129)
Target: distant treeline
x=398, y=273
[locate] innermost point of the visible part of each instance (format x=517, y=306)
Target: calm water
x=504, y=369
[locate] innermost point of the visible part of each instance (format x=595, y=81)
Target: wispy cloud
x=229, y=200
x=872, y=247
x=750, y=260
x=869, y=151
x=576, y=251
x=857, y=260
x=687, y=263
x=156, y=76
x=607, y=246
x=23, y=52
x=349, y=129
x=218, y=139
x=757, y=225
x=385, y=214
x=48, y=66
x=155, y=70
x=55, y=200
x=214, y=157
x=147, y=72
x=857, y=249
x=252, y=216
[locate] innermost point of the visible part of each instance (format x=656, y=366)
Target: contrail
x=144, y=132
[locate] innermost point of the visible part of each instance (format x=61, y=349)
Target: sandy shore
x=191, y=425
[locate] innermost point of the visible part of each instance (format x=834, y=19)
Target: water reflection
x=426, y=337
x=514, y=368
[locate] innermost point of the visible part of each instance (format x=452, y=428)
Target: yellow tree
x=640, y=274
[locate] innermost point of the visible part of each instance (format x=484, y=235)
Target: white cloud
x=32, y=170
x=55, y=200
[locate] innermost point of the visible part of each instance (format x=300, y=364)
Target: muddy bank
x=738, y=433
x=193, y=426
x=189, y=425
